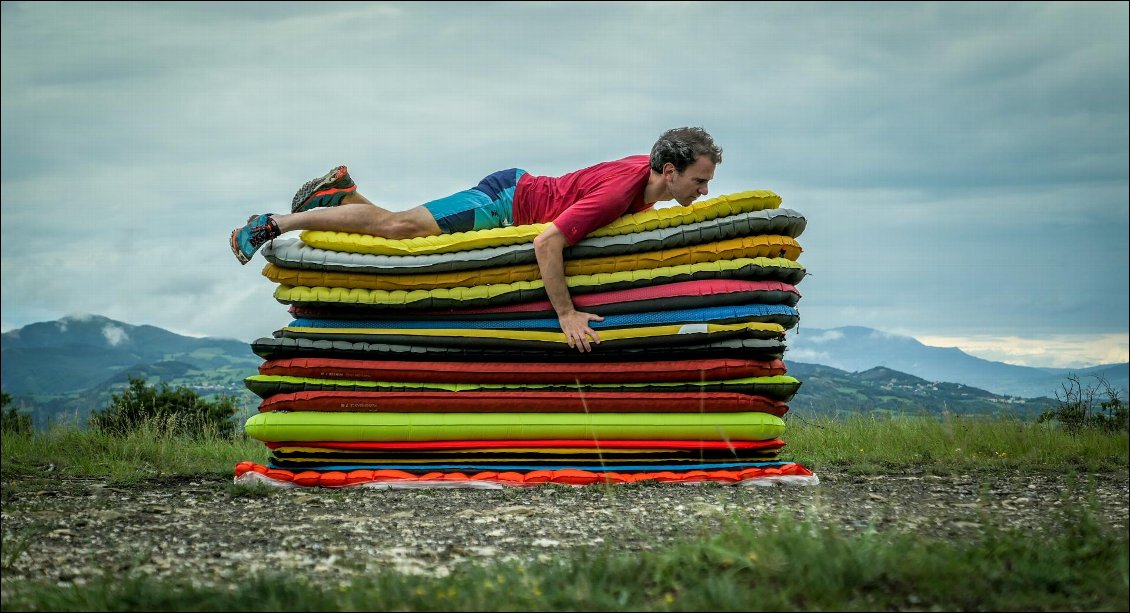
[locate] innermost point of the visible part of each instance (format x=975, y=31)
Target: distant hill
x=73, y=365
x=857, y=349
x=75, y=353
x=829, y=391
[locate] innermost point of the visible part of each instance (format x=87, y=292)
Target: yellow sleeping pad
x=780, y=269
x=735, y=248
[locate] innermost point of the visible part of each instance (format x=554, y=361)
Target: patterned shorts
x=490, y=204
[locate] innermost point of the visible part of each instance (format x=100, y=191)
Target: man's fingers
x=590, y=335
x=578, y=341
x=578, y=334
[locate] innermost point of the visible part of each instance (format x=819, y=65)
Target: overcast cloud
x=962, y=166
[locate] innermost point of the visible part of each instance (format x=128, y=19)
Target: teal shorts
x=490, y=204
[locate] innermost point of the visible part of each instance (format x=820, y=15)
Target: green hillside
x=830, y=391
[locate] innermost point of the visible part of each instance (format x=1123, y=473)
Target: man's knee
x=410, y=224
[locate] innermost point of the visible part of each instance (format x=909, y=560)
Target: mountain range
x=66, y=368
x=856, y=349
x=69, y=366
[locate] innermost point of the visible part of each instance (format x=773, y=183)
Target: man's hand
x=575, y=325
x=549, y=247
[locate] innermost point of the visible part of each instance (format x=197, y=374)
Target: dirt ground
x=69, y=531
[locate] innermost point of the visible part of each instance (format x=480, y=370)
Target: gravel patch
x=209, y=530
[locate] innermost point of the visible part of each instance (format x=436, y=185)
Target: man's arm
x=549, y=247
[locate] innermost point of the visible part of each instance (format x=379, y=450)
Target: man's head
x=686, y=158
x=681, y=147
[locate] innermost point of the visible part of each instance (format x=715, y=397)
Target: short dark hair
x=681, y=147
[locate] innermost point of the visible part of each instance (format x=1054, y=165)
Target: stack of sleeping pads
x=439, y=361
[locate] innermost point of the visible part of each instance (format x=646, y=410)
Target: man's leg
x=337, y=189
x=355, y=214
x=331, y=203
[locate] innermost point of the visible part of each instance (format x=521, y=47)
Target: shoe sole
x=313, y=186
x=235, y=247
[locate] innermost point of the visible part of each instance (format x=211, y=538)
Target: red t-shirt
x=582, y=201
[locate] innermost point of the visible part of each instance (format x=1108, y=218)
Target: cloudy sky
x=962, y=166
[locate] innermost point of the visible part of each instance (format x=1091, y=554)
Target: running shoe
x=246, y=241
x=327, y=190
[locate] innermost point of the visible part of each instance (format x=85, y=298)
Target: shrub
x=179, y=411
x=13, y=420
x=1093, y=407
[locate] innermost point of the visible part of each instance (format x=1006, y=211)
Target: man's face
x=685, y=187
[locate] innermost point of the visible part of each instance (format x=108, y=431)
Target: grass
x=759, y=563
x=142, y=454
x=951, y=444
x=749, y=566
x=943, y=445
